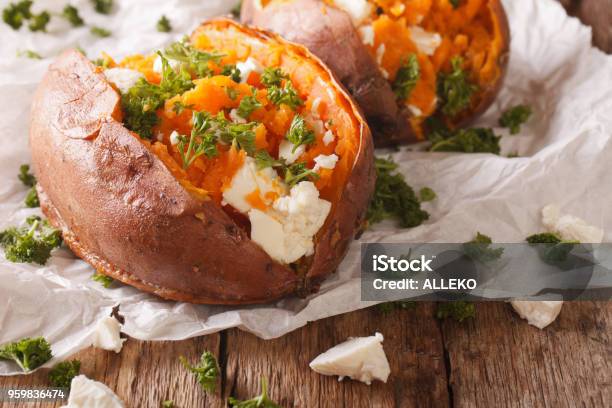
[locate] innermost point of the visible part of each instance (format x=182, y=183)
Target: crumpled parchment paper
x=565, y=157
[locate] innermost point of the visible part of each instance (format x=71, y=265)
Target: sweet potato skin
x=122, y=211
x=329, y=33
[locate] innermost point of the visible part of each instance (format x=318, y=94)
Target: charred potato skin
x=121, y=210
x=331, y=36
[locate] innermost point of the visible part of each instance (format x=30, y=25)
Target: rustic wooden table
x=495, y=360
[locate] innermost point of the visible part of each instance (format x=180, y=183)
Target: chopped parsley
x=261, y=401
x=100, y=32
x=16, y=13
x=179, y=107
x=480, y=249
x=514, y=117
x=163, y=25
x=192, y=59
x=286, y=95
x=554, y=249
x=544, y=238
x=38, y=22
x=25, y=176
x=393, y=198
x=472, y=140
x=104, y=280
x=231, y=71
x=299, y=134
x=458, y=310
x=28, y=353
x=61, y=374
x=206, y=371
x=407, y=77
x=427, y=194
x=31, y=243
x=29, y=54
x=273, y=77
x=31, y=199
x=454, y=89
x=292, y=174
x=241, y=135
x=71, y=14
x=143, y=99
x=248, y=105
x=103, y=6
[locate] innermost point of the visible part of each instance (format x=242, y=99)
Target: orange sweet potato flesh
x=125, y=205
x=477, y=31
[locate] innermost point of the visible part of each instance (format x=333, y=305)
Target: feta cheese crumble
x=286, y=232
x=538, y=313
x=358, y=10
x=248, y=66
x=285, y=151
x=123, y=78
x=106, y=335
x=87, y=393
x=367, y=35
x=426, y=42
x=323, y=161
x=360, y=358
x=328, y=137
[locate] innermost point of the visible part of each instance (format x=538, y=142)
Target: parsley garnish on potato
x=233, y=72
x=407, y=77
x=61, y=374
x=206, y=371
x=554, y=249
x=299, y=134
x=427, y=194
x=472, y=140
x=454, y=89
x=394, y=198
x=260, y=401
x=163, y=25
x=28, y=353
x=192, y=59
x=248, y=105
x=458, y=310
x=514, y=117
x=71, y=14
x=31, y=243
x=273, y=77
x=103, y=6
x=286, y=95
x=292, y=174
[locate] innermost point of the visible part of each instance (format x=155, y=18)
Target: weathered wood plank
x=498, y=360
x=413, y=344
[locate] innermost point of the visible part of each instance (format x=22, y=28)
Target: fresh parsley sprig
x=31, y=243
x=261, y=401
x=71, y=14
x=299, y=134
x=28, y=353
x=248, y=105
x=454, y=89
x=514, y=117
x=292, y=174
x=206, y=371
x=407, y=77
x=480, y=249
x=61, y=374
x=273, y=77
x=192, y=59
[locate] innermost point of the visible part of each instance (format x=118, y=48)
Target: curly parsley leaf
x=100, y=32
x=292, y=174
x=427, y=194
x=16, y=13
x=163, y=25
x=71, y=14
x=514, y=117
x=28, y=353
x=299, y=134
x=61, y=374
x=103, y=6
x=480, y=249
x=472, y=140
x=458, y=310
x=552, y=249
x=454, y=89
x=104, y=280
x=38, y=22
x=248, y=105
x=261, y=401
x=273, y=77
x=286, y=95
x=192, y=59
x=394, y=198
x=544, y=238
x=407, y=77
x=233, y=72
x=31, y=199
x=25, y=176
x=31, y=243
x=206, y=371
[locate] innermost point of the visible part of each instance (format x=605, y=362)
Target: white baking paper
x=565, y=157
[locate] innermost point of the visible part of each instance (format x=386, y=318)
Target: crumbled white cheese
x=316, y=125
x=158, y=66
x=235, y=117
x=367, y=35
x=415, y=110
x=123, y=78
x=106, y=335
x=380, y=53
x=86, y=393
x=314, y=108
x=248, y=66
x=323, y=161
x=360, y=358
x=384, y=73
x=328, y=137
x=285, y=151
x=248, y=179
x=286, y=232
x=570, y=228
x=539, y=313
x=174, y=138
x=426, y=42
x=358, y=10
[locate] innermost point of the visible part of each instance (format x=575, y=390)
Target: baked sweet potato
x=404, y=61
x=229, y=169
